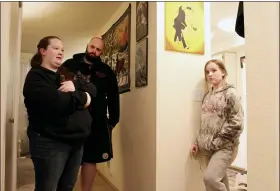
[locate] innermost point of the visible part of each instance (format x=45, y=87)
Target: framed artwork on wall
x=142, y=24
x=117, y=49
x=141, y=63
x=184, y=27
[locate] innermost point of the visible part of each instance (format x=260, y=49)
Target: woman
x=221, y=126
x=59, y=121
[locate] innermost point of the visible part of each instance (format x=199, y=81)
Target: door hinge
x=20, y=4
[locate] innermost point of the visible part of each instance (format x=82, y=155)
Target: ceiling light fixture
x=227, y=24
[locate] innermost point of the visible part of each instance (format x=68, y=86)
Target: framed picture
x=184, y=27
x=141, y=20
x=141, y=63
x=117, y=49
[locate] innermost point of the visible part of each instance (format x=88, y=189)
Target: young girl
x=221, y=126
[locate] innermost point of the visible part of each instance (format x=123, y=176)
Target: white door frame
x=5, y=35
x=11, y=24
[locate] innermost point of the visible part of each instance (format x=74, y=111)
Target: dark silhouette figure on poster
x=180, y=25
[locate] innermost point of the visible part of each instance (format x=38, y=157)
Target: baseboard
x=107, y=180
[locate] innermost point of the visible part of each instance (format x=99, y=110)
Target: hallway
x=25, y=179
x=154, y=135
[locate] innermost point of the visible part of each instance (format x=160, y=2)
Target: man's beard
x=92, y=59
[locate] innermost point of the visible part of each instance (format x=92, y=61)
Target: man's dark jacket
x=98, y=147
x=103, y=77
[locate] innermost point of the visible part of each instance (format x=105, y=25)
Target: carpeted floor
x=25, y=178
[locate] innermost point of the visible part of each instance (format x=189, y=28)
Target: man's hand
x=67, y=86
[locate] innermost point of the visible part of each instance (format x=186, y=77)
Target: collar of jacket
x=81, y=56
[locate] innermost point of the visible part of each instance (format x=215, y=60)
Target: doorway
x=11, y=14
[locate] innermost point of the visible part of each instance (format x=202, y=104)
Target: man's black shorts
x=98, y=147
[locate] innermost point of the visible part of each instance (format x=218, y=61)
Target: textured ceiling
x=72, y=21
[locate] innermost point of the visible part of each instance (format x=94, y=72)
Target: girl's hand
x=194, y=149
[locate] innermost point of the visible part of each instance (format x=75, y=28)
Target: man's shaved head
x=96, y=37
x=97, y=40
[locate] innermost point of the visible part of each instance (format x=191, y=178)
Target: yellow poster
x=184, y=27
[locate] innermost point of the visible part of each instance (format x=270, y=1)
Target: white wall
x=179, y=76
x=72, y=48
x=241, y=159
x=262, y=60
x=134, y=138
x=225, y=44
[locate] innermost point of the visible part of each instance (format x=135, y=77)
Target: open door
x=11, y=20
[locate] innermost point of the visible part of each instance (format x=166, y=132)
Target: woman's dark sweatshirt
x=52, y=113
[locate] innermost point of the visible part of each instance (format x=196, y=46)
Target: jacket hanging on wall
x=239, y=25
